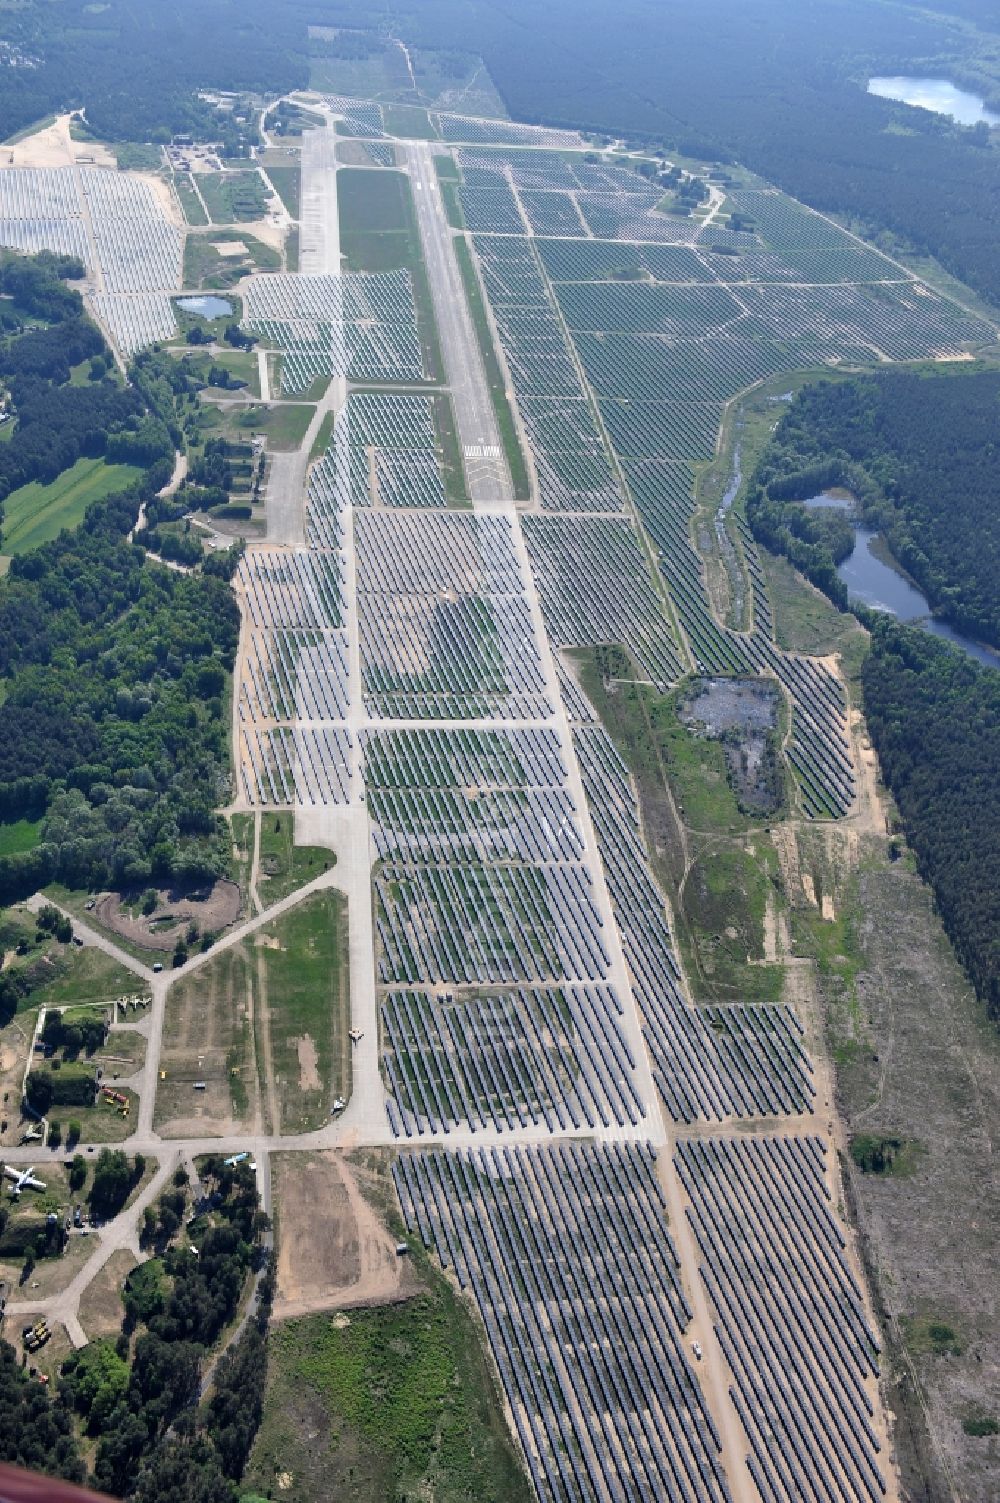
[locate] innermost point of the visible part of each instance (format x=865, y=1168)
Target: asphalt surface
x=486, y=468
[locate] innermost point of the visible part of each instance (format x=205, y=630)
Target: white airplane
x=24, y=1179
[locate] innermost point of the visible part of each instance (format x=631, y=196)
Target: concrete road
x=486, y=468
x=319, y=226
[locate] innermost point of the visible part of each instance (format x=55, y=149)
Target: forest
x=115, y=669
x=58, y=422
x=137, y=1399
x=920, y=453
x=934, y=718
x=775, y=84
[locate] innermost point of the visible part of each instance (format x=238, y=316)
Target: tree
x=35, y=1432
x=78, y=1168
x=113, y=1181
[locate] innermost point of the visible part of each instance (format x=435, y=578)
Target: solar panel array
x=567, y=1254
x=360, y=325
x=133, y=250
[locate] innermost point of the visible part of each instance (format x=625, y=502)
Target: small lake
x=876, y=584
x=207, y=306
x=935, y=94
x=834, y=499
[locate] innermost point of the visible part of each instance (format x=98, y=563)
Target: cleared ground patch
x=37, y=513
x=334, y=1252
x=101, y=1307
x=208, y=1041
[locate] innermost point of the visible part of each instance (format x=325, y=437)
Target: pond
x=206, y=306
x=935, y=94
x=835, y=499
x=878, y=585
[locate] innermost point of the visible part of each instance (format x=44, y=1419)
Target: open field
x=917, y=1063
x=208, y=267
x=234, y=197
x=208, y=1036
x=58, y=975
x=334, y=1251
x=101, y=1307
x=283, y=424
x=19, y=835
x=284, y=866
x=282, y=167
x=396, y=1400
x=15, y=1042
x=301, y=966
x=194, y=209
x=38, y=512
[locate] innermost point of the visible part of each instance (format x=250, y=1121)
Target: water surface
x=874, y=583
x=206, y=306
x=935, y=94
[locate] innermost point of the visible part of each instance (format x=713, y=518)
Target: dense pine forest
x=776, y=84
x=934, y=718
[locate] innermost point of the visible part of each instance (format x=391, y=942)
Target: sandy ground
x=336, y=1253
x=101, y=1308
x=55, y=147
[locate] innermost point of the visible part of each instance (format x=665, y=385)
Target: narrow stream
x=737, y=583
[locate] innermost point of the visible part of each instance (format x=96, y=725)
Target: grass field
x=84, y=975
x=451, y=451
x=194, y=211
x=494, y=374
x=19, y=835
x=204, y=267
x=323, y=436
x=302, y=975
x=138, y=156
x=37, y=513
x=287, y=182
x=378, y=232
x=284, y=425
x=208, y=1036
x=234, y=197
x=285, y=866
x=387, y=1403
x=409, y=122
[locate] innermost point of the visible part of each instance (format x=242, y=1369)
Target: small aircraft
x=23, y=1179
x=234, y=1159
x=356, y=1035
